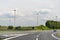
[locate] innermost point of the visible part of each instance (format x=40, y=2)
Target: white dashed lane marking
x=37, y=37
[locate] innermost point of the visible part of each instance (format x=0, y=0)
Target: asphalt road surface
x=45, y=35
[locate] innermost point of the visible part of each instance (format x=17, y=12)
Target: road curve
x=45, y=35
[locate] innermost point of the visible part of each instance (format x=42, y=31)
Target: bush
x=18, y=28
x=53, y=24
x=33, y=28
x=41, y=27
x=0, y=25
x=10, y=27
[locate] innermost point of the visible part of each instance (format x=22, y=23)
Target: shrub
x=33, y=28
x=0, y=25
x=18, y=28
x=10, y=27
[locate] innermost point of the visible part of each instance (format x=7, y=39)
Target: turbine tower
x=14, y=16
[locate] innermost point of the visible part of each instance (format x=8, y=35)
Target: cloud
x=42, y=11
x=6, y=15
x=27, y=10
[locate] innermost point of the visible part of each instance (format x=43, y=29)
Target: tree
x=33, y=28
x=18, y=28
x=53, y=24
x=10, y=27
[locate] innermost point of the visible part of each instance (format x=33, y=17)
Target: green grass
x=58, y=34
x=1, y=39
x=41, y=28
x=5, y=28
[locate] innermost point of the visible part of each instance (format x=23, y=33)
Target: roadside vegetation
x=1, y=39
x=49, y=25
x=20, y=28
x=58, y=35
x=53, y=24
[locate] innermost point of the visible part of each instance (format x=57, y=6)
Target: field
x=19, y=28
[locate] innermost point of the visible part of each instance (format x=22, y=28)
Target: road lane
x=26, y=37
x=46, y=36
x=39, y=35
x=36, y=36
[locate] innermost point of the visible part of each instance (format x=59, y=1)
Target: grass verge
x=58, y=34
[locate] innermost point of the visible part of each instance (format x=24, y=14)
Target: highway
x=43, y=35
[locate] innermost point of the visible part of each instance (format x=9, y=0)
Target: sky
x=27, y=10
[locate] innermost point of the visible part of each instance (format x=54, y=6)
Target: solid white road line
x=17, y=35
x=37, y=36
x=55, y=36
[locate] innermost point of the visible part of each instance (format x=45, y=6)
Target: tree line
x=20, y=28
x=53, y=24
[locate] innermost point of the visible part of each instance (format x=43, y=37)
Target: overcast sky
x=26, y=12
